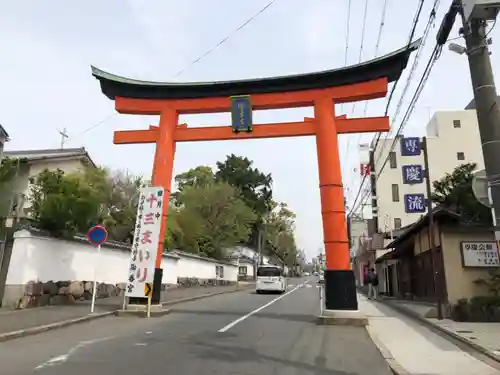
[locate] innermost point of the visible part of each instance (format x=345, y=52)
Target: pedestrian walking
x=372, y=280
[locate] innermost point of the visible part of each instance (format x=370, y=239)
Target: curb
x=65, y=323
x=394, y=365
x=444, y=331
x=48, y=327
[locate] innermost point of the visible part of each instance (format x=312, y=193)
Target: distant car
x=306, y=274
x=316, y=274
x=270, y=279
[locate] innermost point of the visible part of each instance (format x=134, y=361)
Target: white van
x=270, y=279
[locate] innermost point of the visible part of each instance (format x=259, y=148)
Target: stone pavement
x=14, y=320
x=485, y=335
x=417, y=348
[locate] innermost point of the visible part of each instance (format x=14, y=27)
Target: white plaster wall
x=43, y=259
x=202, y=268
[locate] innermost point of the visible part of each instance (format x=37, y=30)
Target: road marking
x=140, y=344
x=64, y=357
x=239, y=320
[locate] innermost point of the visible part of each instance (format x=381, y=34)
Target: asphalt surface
x=241, y=333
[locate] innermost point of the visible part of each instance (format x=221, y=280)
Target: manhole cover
x=473, y=338
x=464, y=331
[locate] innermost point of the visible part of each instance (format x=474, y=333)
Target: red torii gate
x=320, y=90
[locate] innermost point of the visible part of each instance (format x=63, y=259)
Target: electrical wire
x=346, y=52
x=92, y=127
x=430, y=64
x=360, y=55
x=430, y=23
x=391, y=95
x=377, y=45
x=224, y=40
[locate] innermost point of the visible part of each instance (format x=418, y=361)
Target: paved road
x=238, y=334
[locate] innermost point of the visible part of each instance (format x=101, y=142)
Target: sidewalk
x=485, y=336
x=15, y=320
x=416, y=348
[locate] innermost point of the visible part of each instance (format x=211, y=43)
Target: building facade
x=32, y=162
x=4, y=137
x=452, y=139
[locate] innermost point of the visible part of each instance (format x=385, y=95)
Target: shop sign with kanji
x=415, y=203
x=480, y=254
x=146, y=238
x=410, y=146
x=413, y=174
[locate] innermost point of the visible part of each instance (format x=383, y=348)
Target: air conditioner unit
x=480, y=9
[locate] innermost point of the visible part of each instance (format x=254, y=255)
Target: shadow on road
x=288, y=317
x=236, y=354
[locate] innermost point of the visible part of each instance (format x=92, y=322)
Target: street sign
x=146, y=238
x=241, y=113
x=148, y=289
x=97, y=235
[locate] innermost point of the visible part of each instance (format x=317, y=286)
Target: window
x=457, y=124
x=219, y=271
x=392, y=160
x=242, y=271
x=269, y=272
x=397, y=223
x=460, y=156
x=395, y=193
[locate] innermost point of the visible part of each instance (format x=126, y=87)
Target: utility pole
x=432, y=233
x=487, y=110
x=483, y=86
x=64, y=137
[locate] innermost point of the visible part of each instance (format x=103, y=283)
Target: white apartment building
x=452, y=138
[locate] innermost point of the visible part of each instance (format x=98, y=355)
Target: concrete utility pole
x=435, y=255
x=488, y=112
x=475, y=14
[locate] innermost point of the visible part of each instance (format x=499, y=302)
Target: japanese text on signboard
x=146, y=237
x=410, y=146
x=413, y=174
x=480, y=254
x=415, y=203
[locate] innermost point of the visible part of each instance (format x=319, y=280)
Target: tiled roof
x=51, y=154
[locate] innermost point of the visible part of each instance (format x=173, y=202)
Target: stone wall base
x=38, y=294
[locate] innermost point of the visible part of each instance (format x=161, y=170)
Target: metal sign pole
x=94, y=291
x=149, y=308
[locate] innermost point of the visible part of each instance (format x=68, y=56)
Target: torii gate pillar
x=340, y=285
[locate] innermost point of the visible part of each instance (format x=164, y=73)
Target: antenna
x=64, y=137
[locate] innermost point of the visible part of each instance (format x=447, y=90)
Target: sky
x=46, y=84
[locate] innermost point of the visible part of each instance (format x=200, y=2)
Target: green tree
x=63, y=204
x=212, y=219
x=8, y=170
x=279, y=231
x=198, y=177
x=454, y=192
x=254, y=185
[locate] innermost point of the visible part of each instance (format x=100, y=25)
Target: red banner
x=364, y=169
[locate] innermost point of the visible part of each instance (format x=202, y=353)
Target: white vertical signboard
x=146, y=239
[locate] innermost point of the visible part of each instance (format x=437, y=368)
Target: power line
x=377, y=45
x=430, y=23
x=378, y=135
x=423, y=80
x=347, y=30
x=360, y=55
x=224, y=40
x=430, y=64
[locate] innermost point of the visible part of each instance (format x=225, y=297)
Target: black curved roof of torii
x=390, y=66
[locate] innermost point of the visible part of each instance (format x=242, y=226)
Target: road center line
x=239, y=320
